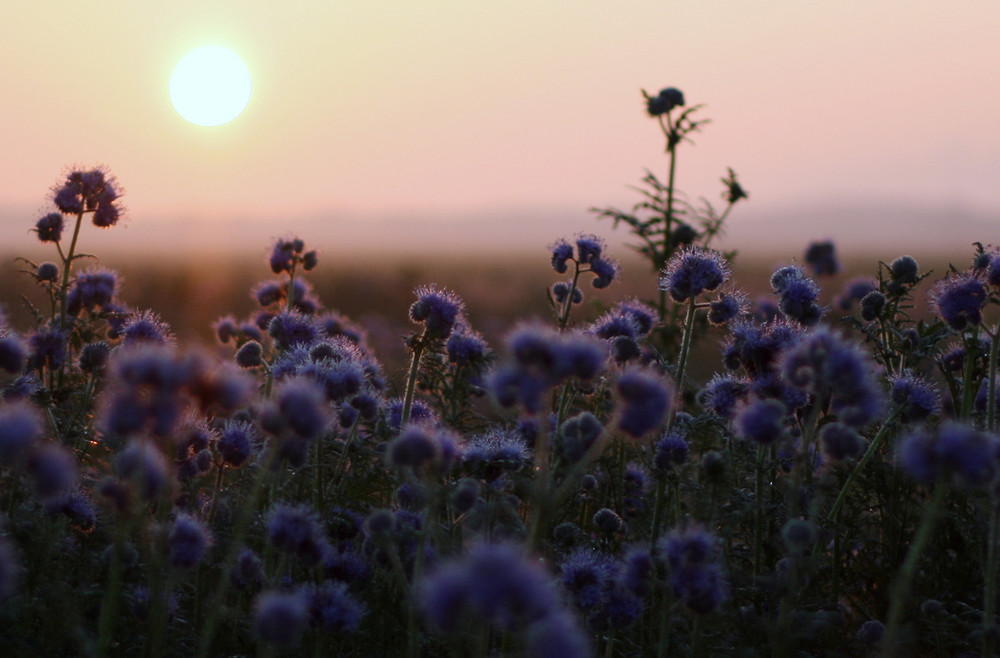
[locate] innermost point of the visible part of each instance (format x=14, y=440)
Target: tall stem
x=900, y=592
x=417, y=345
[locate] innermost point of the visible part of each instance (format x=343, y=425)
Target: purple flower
x=695, y=573
x=577, y=434
x=250, y=355
x=296, y=529
x=466, y=346
x=671, y=450
x=966, y=455
x=666, y=100
x=438, y=310
x=728, y=307
x=48, y=349
x=993, y=270
x=332, y=607
x=694, y=270
x=493, y=582
x=589, y=248
x=280, y=617
x=53, y=468
x=144, y=466
x=722, y=393
x=94, y=356
x=605, y=272
x=50, y=227
x=187, y=542
x=557, y=635
x=827, y=366
x=645, y=400
x=20, y=424
x=607, y=521
x=918, y=397
x=13, y=353
x=562, y=251
x=762, y=421
x=303, y=406
x=841, y=442
x=289, y=329
x=587, y=575
x=236, y=442
x=822, y=258
x=855, y=290
x=145, y=327
x=495, y=452
x=96, y=287
x=959, y=301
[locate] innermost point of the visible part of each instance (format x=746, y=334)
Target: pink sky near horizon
x=455, y=110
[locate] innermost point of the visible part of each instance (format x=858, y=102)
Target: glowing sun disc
x=210, y=86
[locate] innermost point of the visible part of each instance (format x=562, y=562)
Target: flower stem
x=900, y=592
x=417, y=345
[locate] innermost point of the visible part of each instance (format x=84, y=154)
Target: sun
x=210, y=86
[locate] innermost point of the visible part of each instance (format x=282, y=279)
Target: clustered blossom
x=589, y=258
x=89, y=191
x=439, y=311
x=958, y=453
x=959, y=301
x=692, y=271
x=822, y=258
x=663, y=102
x=695, y=572
x=540, y=358
x=797, y=295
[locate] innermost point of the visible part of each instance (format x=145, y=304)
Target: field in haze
x=376, y=291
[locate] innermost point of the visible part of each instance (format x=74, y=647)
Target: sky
x=402, y=124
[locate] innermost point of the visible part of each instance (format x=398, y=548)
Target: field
x=560, y=452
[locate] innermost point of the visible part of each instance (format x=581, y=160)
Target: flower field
x=715, y=467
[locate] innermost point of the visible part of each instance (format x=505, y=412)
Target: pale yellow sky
x=427, y=113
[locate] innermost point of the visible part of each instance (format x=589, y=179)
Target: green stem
x=67, y=265
x=968, y=390
x=900, y=592
x=872, y=448
x=417, y=345
x=682, y=360
x=568, y=304
x=991, y=383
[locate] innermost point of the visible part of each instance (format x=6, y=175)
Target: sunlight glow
x=210, y=86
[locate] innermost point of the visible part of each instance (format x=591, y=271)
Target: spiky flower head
x=692, y=271
x=959, y=301
x=666, y=100
x=437, y=309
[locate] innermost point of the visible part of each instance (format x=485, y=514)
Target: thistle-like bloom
x=50, y=227
x=89, y=191
x=416, y=446
x=145, y=467
x=840, y=442
x=438, y=310
x=93, y=288
x=666, y=100
x=956, y=451
x=494, y=583
x=695, y=572
x=280, y=617
x=722, y=393
x=577, y=434
x=495, y=452
x=54, y=469
x=20, y=424
x=295, y=529
x=645, y=400
x=332, y=607
x=145, y=327
x=303, y=406
x=588, y=575
x=692, y=271
x=187, y=542
x=959, y=301
x=993, y=270
x=671, y=451
x=854, y=291
x=466, y=346
x=822, y=258
x=918, y=397
x=797, y=295
x=727, y=307
x=236, y=442
x=828, y=367
x=762, y=421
